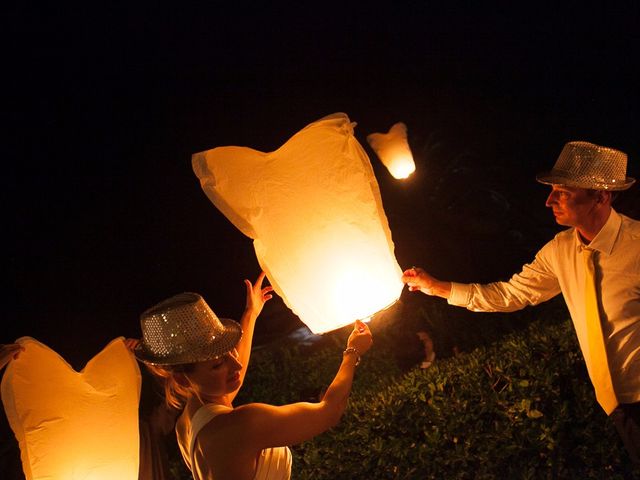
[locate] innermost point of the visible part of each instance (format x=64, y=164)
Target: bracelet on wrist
x=349, y=350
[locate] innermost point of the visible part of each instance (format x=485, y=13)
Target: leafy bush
x=521, y=407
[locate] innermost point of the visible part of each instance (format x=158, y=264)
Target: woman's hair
x=175, y=393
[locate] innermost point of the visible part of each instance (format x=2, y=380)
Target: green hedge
x=521, y=407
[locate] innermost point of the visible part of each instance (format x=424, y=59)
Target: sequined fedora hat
x=586, y=165
x=183, y=329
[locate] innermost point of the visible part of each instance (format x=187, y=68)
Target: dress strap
x=203, y=415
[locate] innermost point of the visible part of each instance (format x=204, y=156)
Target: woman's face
x=218, y=376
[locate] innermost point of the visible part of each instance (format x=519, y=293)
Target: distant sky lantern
x=314, y=211
x=74, y=425
x=393, y=150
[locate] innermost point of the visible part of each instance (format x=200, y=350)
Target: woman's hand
x=360, y=338
x=131, y=343
x=9, y=352
x=257, y=295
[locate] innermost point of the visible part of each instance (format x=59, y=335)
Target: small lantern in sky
x=314, y=211
x=393, y=150
x=74, y=425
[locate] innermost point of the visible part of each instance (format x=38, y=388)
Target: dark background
x=103, y=108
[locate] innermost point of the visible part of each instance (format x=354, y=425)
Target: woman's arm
x=269, y=426
x=257, y=296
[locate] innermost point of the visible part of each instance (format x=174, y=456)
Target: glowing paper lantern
x=74, y=425
x=393, y=150
x=314, y=210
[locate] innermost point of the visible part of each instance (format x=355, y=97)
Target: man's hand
x=419, y=280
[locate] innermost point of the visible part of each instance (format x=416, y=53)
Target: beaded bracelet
x=352, y=350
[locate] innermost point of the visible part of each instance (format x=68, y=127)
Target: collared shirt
x=559, y=268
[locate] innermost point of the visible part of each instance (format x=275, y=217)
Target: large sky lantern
x=74, y=425
x=314, y=211
x=393, y=150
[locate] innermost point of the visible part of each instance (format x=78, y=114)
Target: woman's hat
x=586, y=165
x=183, y=329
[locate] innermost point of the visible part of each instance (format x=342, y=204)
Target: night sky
x=103, y=216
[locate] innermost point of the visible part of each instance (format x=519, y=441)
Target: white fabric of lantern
x=393, y=150
x=314, y=210
x=74, y=425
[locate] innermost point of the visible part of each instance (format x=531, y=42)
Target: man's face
x=571, y=206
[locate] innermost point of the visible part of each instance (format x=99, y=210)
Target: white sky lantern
x=314, y=211
x=74, y=425
x=393, y=150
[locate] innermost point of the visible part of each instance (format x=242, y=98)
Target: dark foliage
x=521, y=407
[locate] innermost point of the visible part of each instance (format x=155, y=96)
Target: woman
x=202, y=361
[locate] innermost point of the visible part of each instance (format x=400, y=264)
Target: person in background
x=429, y=352
x=156, y=420
x=202, y=361
x=595, y=264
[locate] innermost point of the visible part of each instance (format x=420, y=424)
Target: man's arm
x=536, y=283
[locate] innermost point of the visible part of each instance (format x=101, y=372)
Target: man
x=595, y=264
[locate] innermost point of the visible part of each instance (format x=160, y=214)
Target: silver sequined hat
x=586, y=165
x=183, y=329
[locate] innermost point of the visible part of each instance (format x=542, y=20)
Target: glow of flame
x=393, y=150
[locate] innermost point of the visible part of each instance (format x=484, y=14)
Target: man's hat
x=586, y=165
